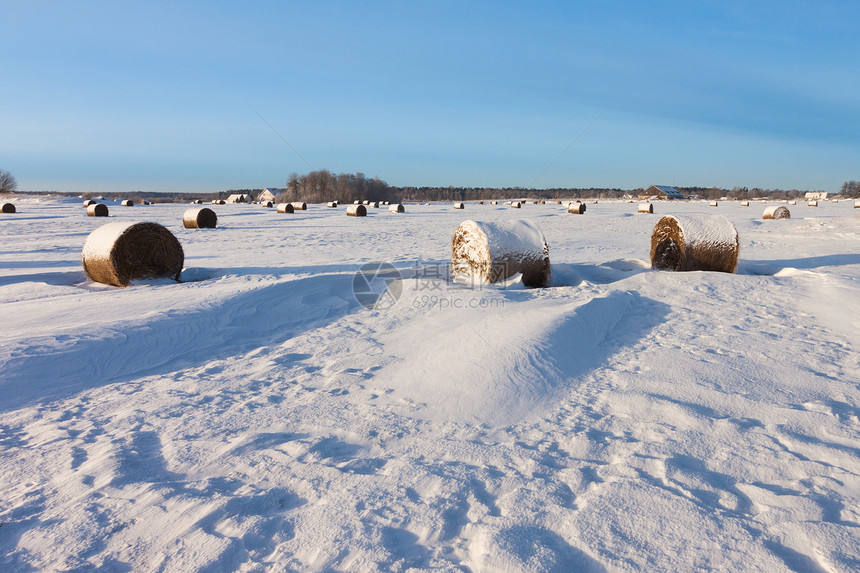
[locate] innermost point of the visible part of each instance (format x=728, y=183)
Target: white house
x=268, y=194
x=816, y=196
x=239, y=198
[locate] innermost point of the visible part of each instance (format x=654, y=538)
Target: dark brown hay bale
x=118, y=253
x=398, y=208
x=688, y=243
x=300, y=206
x=492, y=252
x=201, y=218
x=776, y=212
x=97, y=210
x=127, y=203
x=286, y=208
x=89, y=202
x=516, y=205
x=459, y=206
x=645, y=208
x=576, y=208
x=356, y=211
x=8, y=208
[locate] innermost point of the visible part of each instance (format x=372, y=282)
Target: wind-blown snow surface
x=257, y=417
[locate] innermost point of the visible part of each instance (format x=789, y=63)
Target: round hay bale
x=397, y=208
x=776, y=212
x=197, y=202
x=745, y=203
x=857, y=204
x=97, y=210
x=8, y=208
x=286, y=208
x=576, y=208
x=332, y=204
x=494, y=202
x=356, y=211
x=516, y=205
x=645, y=208
x=812, y=204
x=792, y=202
x=689, y=243
x=89, y=202
x=118, y=253
x=712, y=204
x=374, y=204
x=127, y=203
x=366, y=202
x=300, y=206
x=459, y=206
x=356, y=202
x=495, y=251
x=267, y=204
x=202, y=218
x=219, y=202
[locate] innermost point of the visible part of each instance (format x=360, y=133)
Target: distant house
x=661, y=192
x=816, y=196
x=239, y=198
x=268, y=194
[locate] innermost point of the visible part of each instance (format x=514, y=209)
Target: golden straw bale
x=490, y=252
x=199, y=218
x=118, y=253
x=690, y=243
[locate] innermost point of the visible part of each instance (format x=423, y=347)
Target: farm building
x=816, y=196
x=239, y=198
x=661, y=192
x=268, y=194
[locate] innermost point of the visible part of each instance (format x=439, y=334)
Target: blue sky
x=121, y=96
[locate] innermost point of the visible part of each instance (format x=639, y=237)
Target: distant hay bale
x=559, y=202
x=219, y=202
x=495, y=251
x=356, y=202
x=595, y=203
x=118, y=253
x=689, y=243
x=516, y=205
x=480, y=202
x=145, y=202
x=197, y=202
x=459, y=206
x=494, y=202
x=300, y=206
x=356, y=211
x=200, y=218
x=857, y=204
x=374, y=204
x=366, y=202
x=576, y=208
x=397, y=208
x=97, y=210
x=127, y=203
x=645, y=208
x=89, y=202
x=8, y=208
x=267, y=204
x=812, y=204
x=792, y=202
x=332, y=204
x=286, y=208
x=776, y=212
x=713, y=204
x=745, y=203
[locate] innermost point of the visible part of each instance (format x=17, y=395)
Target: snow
x=257, y=417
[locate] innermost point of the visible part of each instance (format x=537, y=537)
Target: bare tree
x=7, y=182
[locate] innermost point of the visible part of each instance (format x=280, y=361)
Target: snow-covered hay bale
x=494, y=202
x=89, y=202
x=366, y=202
x=492, y=252
x=689, y=243
x=8, y=208
x=812, y=204
x=97, y=210
x=397, y=208
x=267, y=204
x=577, y=208
x=197, y=202
x=286, y=208
x=356, y=211
x=199, y=218
x=127, y=203
x=857, y=204
x=713, y=204
x=516, y=205
x=331, y=204
x=459, y=206
x=792, y=202
x=776, y=212
x=356, y=202
x=299, y=206
x=118, y=253
x=374, y=204
x=745, y=203
x=219, y=202
x=645, y=208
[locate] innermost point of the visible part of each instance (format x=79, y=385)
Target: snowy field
x=258, y=417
